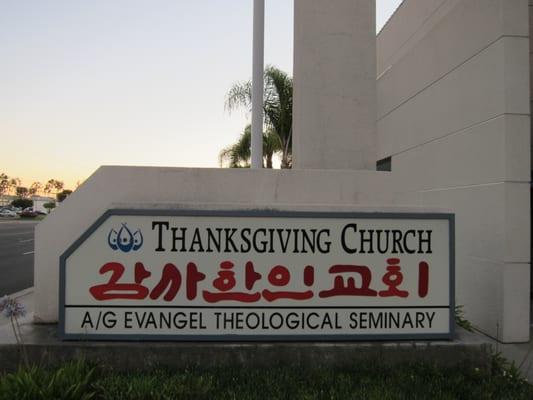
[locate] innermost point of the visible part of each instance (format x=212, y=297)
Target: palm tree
x=53, y=185
x=59, y=186
x=238, y=155
x=22, y=192
x=50, y=185
x=13, y=183
x=4, y=184
x=277, y=107
x=35, y=188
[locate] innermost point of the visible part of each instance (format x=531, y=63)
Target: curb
x=22, y=293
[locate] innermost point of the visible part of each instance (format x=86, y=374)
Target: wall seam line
x=445, y=75
x=498, y=261
x=457, y=132
x=436, y=10
x=475, y=185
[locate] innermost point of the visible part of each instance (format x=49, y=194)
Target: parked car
x=7, y=213
x=27, y=214
x=20, y=210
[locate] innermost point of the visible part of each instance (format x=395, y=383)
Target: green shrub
x=22, y=203
x=49, y=206
x=71, y=382
x=363, y=381
x=461, y=321
x=157, y=385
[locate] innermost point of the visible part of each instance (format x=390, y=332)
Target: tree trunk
x=269, y=164
x=285, y=161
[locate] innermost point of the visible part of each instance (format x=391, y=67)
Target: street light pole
x=258, y=84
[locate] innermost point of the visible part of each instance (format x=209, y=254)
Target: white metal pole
x=258, y=83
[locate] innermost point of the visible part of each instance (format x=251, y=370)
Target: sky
x=128, y=82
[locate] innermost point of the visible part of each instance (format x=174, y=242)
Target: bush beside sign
x=261, y=275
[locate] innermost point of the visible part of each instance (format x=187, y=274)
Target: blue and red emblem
x=124, y=240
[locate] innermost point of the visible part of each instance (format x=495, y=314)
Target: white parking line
x=26, y=241
x=29, y=252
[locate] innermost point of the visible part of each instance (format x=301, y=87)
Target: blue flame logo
x=124, y=240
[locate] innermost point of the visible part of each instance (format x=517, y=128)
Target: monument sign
x=259, y=275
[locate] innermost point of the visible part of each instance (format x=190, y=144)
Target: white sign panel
x=215, y=275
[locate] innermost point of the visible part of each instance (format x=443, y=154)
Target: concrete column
x=334, y=84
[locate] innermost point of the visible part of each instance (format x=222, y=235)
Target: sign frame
x=260, y=213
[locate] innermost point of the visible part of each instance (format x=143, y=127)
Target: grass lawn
x=81, y=381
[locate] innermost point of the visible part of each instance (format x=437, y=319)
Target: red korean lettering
x=393, y=279
x=251, y=276
x=225, y=283
x=423, y=279
x=171, y=280
x=113, y=290
x=194, y=276
x=309, y=276
x=349, y=286
x=280, y=276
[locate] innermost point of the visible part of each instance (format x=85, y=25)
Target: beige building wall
x=453, y=113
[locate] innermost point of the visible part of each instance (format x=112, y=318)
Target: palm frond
x=239, y=96
x=277, y=106
x=238, y=155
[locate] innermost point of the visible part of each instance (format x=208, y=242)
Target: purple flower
x=12, y=308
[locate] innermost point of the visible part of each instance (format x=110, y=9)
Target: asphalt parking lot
x=16, y=255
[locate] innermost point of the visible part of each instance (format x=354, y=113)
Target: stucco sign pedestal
x=259, y=275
